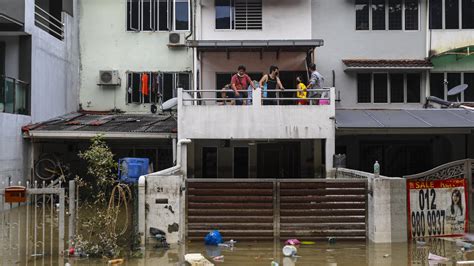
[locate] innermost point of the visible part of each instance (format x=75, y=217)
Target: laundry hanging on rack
x=145, y=90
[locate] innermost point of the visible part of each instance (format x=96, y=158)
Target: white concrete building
x=39, y=68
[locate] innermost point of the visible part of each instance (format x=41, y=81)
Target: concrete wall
x=445, y=40
x=169, y=216
x=13, y=148
x=13, y=8
x=282, y=20
x=342, y=41
x=106, y=45
x=12, y=56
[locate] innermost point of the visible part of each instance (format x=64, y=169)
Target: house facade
x=39, y=73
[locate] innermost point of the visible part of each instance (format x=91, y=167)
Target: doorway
x=279, y=160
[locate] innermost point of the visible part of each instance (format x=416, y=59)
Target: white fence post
x=72, y=212
x=141, y=210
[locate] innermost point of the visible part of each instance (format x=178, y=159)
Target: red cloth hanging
x=145, y=90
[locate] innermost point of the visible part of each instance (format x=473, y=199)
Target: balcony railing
x=257, y=97
x=14, y=96
x=49, y=23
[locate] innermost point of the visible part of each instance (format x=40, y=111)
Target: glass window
x=209, y=162
x=133, y=16
x=436, y=14
x=182, y=15
x=469, y=92
x=146, y=15
x=363, y=88
x=380, y=88
x=411, y=14
x=454, y=79
x=224, y=14
x=468, y=14
x=452, y=14
x=437, y=85
x=396, y=88
x=395, y=14
x=378, y=14
x=413, y=88
x=362, y=14
x=163, y=18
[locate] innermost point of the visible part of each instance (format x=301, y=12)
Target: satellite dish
x=170, y=104
x=457, y=90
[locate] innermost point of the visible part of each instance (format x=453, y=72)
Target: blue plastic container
x=130, y=169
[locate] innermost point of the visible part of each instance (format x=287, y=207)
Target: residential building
x=385, y=58
x=39, y=68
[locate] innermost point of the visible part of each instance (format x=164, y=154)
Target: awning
x=283, y=45
x=404, y=119
x=111, y=126
x=386, y=64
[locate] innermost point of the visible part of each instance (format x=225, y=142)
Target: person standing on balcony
x=239, y=82
x=301, y=93
x=316, y=82
x=273, y=84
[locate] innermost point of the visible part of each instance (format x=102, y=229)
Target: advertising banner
x=437, y=208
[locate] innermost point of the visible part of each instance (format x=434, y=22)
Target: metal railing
x=14, y=96
x=247, y=97
x=49, y=23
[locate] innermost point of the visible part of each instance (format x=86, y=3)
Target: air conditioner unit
x=176, y=39
x=109, y=78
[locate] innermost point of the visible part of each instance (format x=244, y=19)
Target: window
x=452, y=14
x=413, y=88
x=239, y=14
x=468, y=14
x=402, y=88
x=411, y=14
x=362, y=14
x=161, y=15
x=380, y=88
x=375, y=17
x=396, y=88
x=436, y=14
x=151, y=87
x=454, y=79
x=469, y=92
x=364, y=88
x=456, y=14
x=437, y=85
x=395, y=14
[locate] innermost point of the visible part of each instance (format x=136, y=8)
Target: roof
x=361, y=64
x=405, y=119
x=113, y=126
x=215, y=45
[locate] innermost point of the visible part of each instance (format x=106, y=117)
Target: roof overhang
x=360, y=65
x=255, y=45
x=82, y=135
x=419, y=121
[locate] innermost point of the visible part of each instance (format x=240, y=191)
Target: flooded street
x=346, y=253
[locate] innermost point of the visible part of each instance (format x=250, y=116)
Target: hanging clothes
x=145, y=90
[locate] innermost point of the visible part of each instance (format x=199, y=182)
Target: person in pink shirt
x=239, y=83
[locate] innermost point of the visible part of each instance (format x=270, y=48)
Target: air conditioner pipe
x=177, y=166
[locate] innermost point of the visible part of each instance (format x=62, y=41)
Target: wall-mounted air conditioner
x=109, y=78
x=176, y=40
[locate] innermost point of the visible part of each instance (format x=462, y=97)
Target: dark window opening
x=224, y=11
x=133, y=16
x=378, y=14
x=468, y=14
x=380, y=88
x=396, y=88
x=395, y=14
x=363, y=88
x=411, y=14
x=241, y=162
x=413, y=88
x=182, y=15
x=437, y=85
x=436, y=14
x=209, y=162
x=452, y=14
x=362, y=14
x=147, y=15
x=163, y=15
x=454, y=79
x=469, y=92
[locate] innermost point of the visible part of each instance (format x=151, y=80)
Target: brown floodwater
x=320, y=253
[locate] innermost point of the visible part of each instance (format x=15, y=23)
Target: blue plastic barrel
x=130, y=169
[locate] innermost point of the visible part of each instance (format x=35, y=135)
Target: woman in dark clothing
x=273, y=83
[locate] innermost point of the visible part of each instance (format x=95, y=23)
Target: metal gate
x=248, y=209
x=35, y=229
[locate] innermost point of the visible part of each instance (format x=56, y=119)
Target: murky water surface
x=320, y=253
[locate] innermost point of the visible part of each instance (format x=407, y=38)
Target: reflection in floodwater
x=321, y=253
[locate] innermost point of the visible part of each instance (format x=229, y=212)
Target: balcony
x=14, y=96
x=50, y=23
x=201, y=116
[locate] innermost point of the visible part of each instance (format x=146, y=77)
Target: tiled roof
x=387, y=63
x=106, y=123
